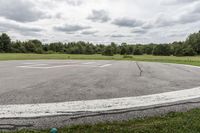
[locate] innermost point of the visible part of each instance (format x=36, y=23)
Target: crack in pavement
x=139, y=68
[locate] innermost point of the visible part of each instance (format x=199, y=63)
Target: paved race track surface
x=45, y=82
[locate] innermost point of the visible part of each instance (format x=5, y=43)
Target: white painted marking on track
x=88, y=63
x=42, y=66
x=33, y=65
x=48, y=109
x=192, y=66
x=59, y=66
x=106, y=65
x=29, y=63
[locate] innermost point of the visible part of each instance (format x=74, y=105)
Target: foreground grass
x=168, y=59
x=188, y=122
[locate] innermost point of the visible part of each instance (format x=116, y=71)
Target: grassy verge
x=169, y=59
x=187, y=122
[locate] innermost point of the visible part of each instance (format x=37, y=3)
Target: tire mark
x=13, y=126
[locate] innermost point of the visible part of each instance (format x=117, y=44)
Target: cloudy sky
x=100, y=21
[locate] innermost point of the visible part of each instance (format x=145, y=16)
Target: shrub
x=128, y=56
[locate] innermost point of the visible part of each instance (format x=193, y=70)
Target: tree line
x=189, y=47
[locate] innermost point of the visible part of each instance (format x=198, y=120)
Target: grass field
x=169, y=59
x=187, y=122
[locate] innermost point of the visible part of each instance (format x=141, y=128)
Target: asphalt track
x=55, y=93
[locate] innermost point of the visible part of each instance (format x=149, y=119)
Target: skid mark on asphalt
x=13, y=126
x=71, y=108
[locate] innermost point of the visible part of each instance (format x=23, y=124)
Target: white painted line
x=192, y=66
x=34, y=65
x=29, y=63
x=88, y=63
x=106, y=65
x=60, y=66
x=48, y=109
x=37, y=63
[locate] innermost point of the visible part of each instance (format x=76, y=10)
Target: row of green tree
x=189, y=47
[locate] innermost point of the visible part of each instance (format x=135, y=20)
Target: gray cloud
x=127, y=22
x=164, y=21
x=119, y=36
x=196, y=8
x=72, y=2
x=57, y=16
x=99, y=16
x=89, y=32
x=139, y=31
x=6, y=26
x=191, y=16
x=20, y=10
x=171, y=2
x=177, y=34
x=70, y=28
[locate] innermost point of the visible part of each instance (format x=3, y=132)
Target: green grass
x=186, y=122
x=168, y=59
